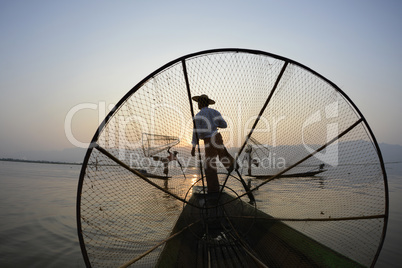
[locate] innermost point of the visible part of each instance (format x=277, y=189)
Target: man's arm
x=219, y=121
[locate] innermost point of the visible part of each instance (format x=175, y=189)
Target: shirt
x=207, y=121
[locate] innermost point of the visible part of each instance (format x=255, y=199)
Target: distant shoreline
x=38, y=161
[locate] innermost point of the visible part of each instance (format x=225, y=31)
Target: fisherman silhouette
x=207, y=121
x=166, y=160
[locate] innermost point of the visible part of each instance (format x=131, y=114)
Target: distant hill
x=38, y=161
x=70, y=155
x=391, y=154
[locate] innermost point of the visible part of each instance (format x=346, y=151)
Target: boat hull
x=241, y=236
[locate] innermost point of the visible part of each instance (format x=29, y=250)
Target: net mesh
x=153, y=144
x=131, y=213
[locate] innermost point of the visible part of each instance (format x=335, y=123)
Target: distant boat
x=301, y=174
x=153, y=176
x=310, y=173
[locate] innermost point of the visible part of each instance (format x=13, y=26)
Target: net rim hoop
x=94, y=140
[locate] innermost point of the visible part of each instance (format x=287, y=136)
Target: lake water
x=38, y=223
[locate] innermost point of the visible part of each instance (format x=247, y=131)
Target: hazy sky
x=55, y=55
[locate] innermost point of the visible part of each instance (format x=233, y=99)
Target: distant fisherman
x=207, y=122
x=166, y=160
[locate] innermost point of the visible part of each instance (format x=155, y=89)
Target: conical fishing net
x=309, y=188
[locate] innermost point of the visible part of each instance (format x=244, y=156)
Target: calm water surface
x=37, y=210
x=38, y=224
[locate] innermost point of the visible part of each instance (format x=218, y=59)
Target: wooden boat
x=153, y=176
x=236, y=234
x=301, y=174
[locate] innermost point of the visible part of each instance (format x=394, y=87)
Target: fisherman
x=250, y=161
x=166, y=160
x=207, y=121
